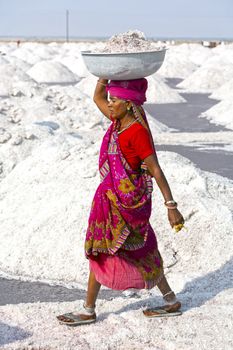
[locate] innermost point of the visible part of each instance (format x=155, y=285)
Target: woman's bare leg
x=88, y=313
x=172, y=305
x=92, y=290
x=168, y=294
x=164, y=286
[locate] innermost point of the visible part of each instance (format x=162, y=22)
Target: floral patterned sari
x=119, y=218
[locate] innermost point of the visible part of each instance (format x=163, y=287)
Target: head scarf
x=133, y=90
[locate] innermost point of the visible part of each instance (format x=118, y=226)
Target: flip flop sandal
x=76, y=320
x=152, y=313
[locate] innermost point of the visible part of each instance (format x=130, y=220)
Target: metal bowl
x=123, y=66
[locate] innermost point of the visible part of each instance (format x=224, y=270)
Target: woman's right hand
x=175, y=217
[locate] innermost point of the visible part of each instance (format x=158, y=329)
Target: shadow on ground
x=16, y=292
x=10, y=334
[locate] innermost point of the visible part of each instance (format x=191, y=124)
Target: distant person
x=18, y=43
x=120, y=243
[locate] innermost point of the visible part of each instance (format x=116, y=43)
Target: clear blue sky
x=156, y=18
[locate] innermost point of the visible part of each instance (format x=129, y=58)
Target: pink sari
x=120, y=241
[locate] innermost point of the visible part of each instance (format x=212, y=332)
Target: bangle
x=170, y=202
x=99, y=82
x=174, y=204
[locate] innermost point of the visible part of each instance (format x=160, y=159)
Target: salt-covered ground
x=50, y=133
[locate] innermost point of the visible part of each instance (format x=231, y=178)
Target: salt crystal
x=130, y=41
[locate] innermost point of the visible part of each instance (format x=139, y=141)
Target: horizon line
x=90, y=37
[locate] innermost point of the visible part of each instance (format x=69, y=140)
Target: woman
x=120, y=242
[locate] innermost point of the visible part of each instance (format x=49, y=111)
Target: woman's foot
x=87, y=315
x=73, y=319
x=166, y=310
x=171, y=308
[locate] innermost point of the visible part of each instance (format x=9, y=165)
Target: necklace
x=119, y=132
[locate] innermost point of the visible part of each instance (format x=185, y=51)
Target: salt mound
x=130, y=41
x=45, y=52
x=51, y=216
x=193, y=52
x=224, y=92
x=18, y=62
x=75, y=110
x=208, y=77
x=74, y=64
x=29, y=120
x=208, y=226
x=223, y=57
x=50, y=170
x=160, y=92
x=225, y=51
x=221, y=113
x=10, y=75
x=52, y=72
x=176, y=65
x=7, y=48
x=26, y=54
x=87, y=85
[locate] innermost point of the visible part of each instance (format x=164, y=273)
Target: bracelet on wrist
x=170, y=204
x=171, y=201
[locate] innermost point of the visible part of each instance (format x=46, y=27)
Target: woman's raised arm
x=100, y=97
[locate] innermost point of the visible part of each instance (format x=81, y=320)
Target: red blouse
x=135, y=145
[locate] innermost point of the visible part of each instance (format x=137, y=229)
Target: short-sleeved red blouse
x=135, y=145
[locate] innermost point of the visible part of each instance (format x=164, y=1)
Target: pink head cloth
x=133, y=90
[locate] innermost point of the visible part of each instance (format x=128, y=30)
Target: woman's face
x=117, y=107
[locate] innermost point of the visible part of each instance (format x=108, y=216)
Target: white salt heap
x=225, y=91
x=213, y=73
x=10, y=74
x=181, y=61
x=49, y=143
x=221, y=113
x=207, y=78
x=51, y=72
x=27, y=54
x=130, y=41
x=74, y=63
x=159, y=92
